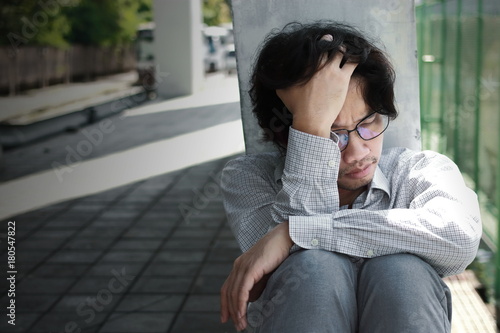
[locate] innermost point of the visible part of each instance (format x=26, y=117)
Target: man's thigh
x=312, y=291
x=402, y=293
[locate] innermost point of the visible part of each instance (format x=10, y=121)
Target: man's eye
x=371, y=120
x=343, y=137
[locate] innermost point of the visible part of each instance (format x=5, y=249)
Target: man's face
x=360, y=158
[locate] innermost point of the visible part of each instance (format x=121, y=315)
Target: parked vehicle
x=218, y=48
x=230, y=59
x=214, y=41
x=145, y=55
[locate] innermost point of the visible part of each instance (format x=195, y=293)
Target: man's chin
x=354, y=185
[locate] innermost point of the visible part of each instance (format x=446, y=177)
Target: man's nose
x=356, y=150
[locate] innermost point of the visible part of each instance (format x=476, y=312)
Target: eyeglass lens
x=367, y=129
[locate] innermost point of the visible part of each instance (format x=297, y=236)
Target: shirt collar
x=379, y=180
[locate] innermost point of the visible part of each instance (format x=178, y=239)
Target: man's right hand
x=245, y=282
x=316, y=104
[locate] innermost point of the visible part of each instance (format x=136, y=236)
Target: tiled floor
x=470, y=314
x=146, y=257
x=150, y=256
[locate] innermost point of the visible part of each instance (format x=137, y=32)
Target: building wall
x=391, y=22
x=178, y=47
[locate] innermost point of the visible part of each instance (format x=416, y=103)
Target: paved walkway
x=148, y=255
x=470, y=314
x=116, y=245
x=39, y=104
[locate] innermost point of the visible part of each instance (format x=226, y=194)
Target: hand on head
x=316, y=104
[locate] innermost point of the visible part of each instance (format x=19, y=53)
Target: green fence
x=459, y=67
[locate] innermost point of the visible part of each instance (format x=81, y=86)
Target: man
x=338, y=235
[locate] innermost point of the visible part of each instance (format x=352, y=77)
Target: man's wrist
x=312, y=127
x=284, y=229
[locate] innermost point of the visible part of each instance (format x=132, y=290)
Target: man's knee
x=320, y=268
x=398, y=269
x=311, y=290
x=402, y=281
x=402, y=292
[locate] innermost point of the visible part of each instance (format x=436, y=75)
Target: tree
x=60, y=23
x=145, y=11
x=216, y=12
x=103, y=22
x=32, y=22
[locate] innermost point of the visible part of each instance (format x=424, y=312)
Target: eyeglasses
x=368, y=128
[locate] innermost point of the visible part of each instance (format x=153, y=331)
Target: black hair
x=292, y=56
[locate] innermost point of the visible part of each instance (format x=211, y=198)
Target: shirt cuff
x=295, y=248
x=312, y=232
x=318, y=156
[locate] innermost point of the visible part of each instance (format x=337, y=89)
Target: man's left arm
x=434, y=216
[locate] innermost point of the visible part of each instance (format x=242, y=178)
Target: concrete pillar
x=178, y=47
x=391, y=22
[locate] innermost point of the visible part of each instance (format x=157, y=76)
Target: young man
x=337, y=234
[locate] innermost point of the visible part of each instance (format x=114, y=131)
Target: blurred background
x=84, y=81
x=459, y=69
x=50, y=42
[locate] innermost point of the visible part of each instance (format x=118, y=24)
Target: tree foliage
x=98, y=22
x=216, y=12
x=63, y=22
x=89, y=22
x=33, y=22
x=145, y=11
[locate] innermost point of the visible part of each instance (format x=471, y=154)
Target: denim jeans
x=315, y=291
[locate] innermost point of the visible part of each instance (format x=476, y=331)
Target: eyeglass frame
x=356, y=130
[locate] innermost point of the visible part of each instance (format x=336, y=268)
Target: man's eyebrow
x=356, y=122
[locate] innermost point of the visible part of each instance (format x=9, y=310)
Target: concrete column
x=178, y=47
x=391, y=22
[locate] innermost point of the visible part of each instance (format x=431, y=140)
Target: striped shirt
x=416, y=203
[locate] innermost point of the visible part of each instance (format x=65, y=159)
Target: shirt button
x=369, y=253
x=314, y=242
x=331, y=163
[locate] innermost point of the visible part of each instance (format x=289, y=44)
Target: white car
x=230, y=59
x=218, y=42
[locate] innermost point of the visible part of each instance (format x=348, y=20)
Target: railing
x=459, y=68
x=38, y=66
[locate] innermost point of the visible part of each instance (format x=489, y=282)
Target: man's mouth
x=359, y=171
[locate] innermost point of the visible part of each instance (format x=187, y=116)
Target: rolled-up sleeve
x=430, y=212
x=309, y=177
x=433, y=215
x=255, y=203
